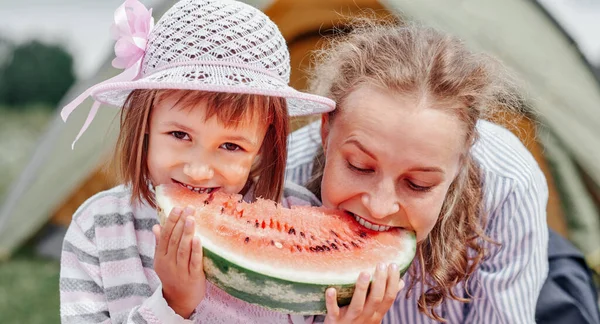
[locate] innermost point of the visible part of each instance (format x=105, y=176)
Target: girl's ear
x=324, y=130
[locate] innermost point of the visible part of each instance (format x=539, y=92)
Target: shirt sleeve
x=82, y=296
x=506, y=287
x=303, y=145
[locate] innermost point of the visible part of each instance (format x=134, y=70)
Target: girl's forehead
x=230, y=113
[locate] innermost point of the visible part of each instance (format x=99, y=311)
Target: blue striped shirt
x=506, y=286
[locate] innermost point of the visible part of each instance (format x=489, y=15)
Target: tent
x=561, y=85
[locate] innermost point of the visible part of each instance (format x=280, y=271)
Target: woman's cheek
x=337, y=185
x=426, y=215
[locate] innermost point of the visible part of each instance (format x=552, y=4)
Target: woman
x=408, y=146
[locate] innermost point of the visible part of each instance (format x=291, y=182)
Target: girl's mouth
x=196, y=189
x=369, y=225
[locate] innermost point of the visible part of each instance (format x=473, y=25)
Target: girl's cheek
x=236, y=170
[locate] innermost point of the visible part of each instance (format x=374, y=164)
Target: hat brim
x=230, y=79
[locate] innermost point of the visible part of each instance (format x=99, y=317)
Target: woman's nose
x=381, y=203
x=198, y=171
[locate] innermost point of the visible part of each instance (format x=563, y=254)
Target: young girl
x=205, y=105
x=408, y=146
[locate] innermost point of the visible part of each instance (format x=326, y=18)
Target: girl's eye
x=231, y=147
x=416, y=187
x=358, y=169
x=180, y=135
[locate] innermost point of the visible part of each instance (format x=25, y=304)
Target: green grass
x=29, y=289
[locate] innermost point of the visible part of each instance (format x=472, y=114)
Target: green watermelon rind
x=274, y=293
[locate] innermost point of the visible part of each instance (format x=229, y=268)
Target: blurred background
x=51, y=50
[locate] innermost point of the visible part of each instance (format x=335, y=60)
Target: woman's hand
x=366, y=309
x=178, y=262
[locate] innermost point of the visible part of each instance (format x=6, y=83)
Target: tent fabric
x=561, y=88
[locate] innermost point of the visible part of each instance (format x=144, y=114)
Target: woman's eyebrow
x=360, y=147
x=427, y=169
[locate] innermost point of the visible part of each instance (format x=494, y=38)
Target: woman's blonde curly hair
x=414, y=60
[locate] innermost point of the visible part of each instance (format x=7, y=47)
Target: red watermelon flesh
x=313, y=245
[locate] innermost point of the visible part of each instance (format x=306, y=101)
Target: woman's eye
x=416, y=187
x=180, y=135
x=231, y=147
x=358, y=169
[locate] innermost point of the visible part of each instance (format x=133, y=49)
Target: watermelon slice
x=284, y=259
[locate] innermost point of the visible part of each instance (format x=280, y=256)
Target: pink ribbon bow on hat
x=131, y=28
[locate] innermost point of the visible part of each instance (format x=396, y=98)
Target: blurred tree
x=34, y=72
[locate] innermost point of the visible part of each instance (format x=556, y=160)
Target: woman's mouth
x=196, y=189
x=369, y=225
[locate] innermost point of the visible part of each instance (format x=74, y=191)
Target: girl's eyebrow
x=240, y=138
x=177, y=125
x=232, y=138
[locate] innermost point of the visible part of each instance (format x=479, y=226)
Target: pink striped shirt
x=107, y=273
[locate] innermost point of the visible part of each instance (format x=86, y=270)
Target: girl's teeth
x=200, y=190
x=367, y=224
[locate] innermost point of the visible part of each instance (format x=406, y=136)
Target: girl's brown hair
x=230, y=109
x=420, y=62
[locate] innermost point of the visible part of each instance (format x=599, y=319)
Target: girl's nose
x=198, y=171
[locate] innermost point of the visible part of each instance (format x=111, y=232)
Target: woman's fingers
x=357, y=304
x=394, y=284
x=333, y=310
x=378, y=288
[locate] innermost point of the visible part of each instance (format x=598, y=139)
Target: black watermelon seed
x=247, y=239
x=256, y=224
x=312, y=249
x=344, y=244
x=292, y=231
x=302, y=234
x=299, y=248
x=362, y=234
x=326, y=248
x=334, y=233
x=354, y=244
x=319, y=248
x=333, y=246
x=222, y=210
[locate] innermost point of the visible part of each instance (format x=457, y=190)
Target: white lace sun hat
x=208, y=45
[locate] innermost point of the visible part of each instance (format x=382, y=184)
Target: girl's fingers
x=156, y=231
x=394, y=284
x=333, y=310
x=185, y=245
x=378, y=288
x=176, y=235
x=196, y=268
x=357, y=304
x=167, y=230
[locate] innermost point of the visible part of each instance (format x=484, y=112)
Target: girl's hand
x=178, y=262
x=362, y=309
